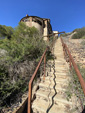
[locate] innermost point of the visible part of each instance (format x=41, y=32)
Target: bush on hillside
x=75, y=30
x=9, y=89
x=80, y=34
x=6, y=31
x=25, y=44
x=65, y=34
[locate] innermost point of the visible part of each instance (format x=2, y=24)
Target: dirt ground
x=77, y=49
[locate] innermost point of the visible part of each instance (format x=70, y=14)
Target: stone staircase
x=51, y=97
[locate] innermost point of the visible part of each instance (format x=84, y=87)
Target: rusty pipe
x=31, y=81
x=44, y=66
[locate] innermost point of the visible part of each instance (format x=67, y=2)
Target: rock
x=3, y=52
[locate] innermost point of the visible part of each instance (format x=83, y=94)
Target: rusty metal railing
x=72, y=62
x=32, y=79
x=34, y=75
x=54, y=34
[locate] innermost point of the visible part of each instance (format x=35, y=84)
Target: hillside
x=20, y=51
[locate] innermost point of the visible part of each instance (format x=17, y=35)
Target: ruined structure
x=42, y=24
x=56, y=35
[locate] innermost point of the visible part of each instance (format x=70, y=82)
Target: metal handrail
x=71, y=60
x=54, y=34
x=32, y=79
x=33, y=76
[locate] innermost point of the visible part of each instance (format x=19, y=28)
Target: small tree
x=6, y=31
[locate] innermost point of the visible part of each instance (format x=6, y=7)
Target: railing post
x=29, y=98
x=69, y=60
x=70, y=63
x=32, y=79
x=64, y=52
x=44, y=66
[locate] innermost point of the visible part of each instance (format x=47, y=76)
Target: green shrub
x=65, y=34
x=25, y=44
x=80, y=33
x=6, y=31
x=83, y=37
x=9, y=89
x=75, y=30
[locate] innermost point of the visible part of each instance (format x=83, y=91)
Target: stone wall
x=43, y=25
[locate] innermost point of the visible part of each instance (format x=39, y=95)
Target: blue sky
x=65, y=15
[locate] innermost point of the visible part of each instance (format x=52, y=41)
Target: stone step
x=44, y=106
x=60, y=61
x=58, y=109
x=60, y=54
x=59, y=47
x=48, y=93
x=58, y=77
x=61, y=68
x=51, y=97
x=58, y=98
x=50, y=85
x=62, y=99
x=58, y=73
x=57, y=70
x=62, y=71
x=59, y=50
x=58, y=65
x=45, y=94
x=40, y=106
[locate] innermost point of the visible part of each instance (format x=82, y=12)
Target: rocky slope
x=77, y=49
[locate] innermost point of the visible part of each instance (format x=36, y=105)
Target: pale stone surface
x=51, y=97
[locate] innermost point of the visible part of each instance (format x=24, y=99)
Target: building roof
x=34, y=17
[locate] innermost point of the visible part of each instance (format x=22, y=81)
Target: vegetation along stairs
x=51, y=96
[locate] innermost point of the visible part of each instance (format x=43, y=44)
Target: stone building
x=56, y=35
x=42, y=24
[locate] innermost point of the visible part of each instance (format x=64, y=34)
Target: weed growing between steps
x=74, y=86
